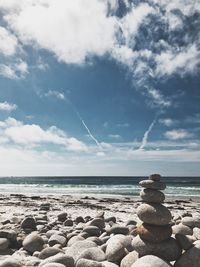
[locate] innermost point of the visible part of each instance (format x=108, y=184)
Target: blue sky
x=100, y=87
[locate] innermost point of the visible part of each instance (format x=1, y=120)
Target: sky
x=101, y=87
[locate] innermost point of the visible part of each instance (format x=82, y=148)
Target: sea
x=176, y=186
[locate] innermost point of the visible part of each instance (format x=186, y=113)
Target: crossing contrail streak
x=88, y=130
x=146, y=135
x=84, y=124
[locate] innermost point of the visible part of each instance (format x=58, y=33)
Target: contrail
x=146, y=134
x=88, y=130
x=84, y=124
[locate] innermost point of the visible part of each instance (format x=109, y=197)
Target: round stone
x=190, y=257
x=155, y=214
x=152, y=195
x=33, y=242
x=48, y=252
x=155, y=177
x=182, y=229
x=129, y=259
x=150, y=261
x=4, y=243
x=158, y=185
x=153, y=233
x=168, y=250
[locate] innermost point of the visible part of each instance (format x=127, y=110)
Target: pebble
x=154, y=233
x=152, y=195
x=118, y=229
x=196, y=233
x=158, y=185
x=168, y=250
x=57, y=239
x=191, y=257
x=116, y=247
x=155, y=177
x=59, y=258
x=182, y=229
x=48, y=252
x=92, y=230
x=129, y=259
x=155, y=214
x=10, y=263
x=150, y=261
x=54, y=264
x=4, y=243
x=29, y=223
x=185, y=241
x=33, y=242
x=94, y=253
x=88, y=263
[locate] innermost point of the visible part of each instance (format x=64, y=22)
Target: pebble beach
x=150, y=230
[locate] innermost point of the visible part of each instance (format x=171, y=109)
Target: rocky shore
x=100, y=231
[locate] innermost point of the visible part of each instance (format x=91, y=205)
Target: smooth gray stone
x=57, y=239
x=188, y=221
x=10, y=263
x=48, y=252
x=190, y=258
x=4, y=243
x=117, y=246
x=94, y=253
x=155, y=177
x=59, y=258
x=92, y=230
x=78, y=247
x=33, y=242
x=99, y=222
x=88, y=263
x=29, y=223
x=129, y=259
x=168, y=250
x=182, y=229
x=74, y=239
x=185, y=241
x=150, y=261
x=54, y=264
x=158, y=185
x=155, y=214
x=152, y=195
x=118, y=229
x=109, y=264
x=196, y=233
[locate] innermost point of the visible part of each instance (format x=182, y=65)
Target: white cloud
x=157, y=98
x=15, y=70
x=56, y=94
x=32, y=134
x=5, y=106
x=72, y=30
x=169, y=62
x=177, y=134
x=8, y=42
x=167, y=122
x=132, y=21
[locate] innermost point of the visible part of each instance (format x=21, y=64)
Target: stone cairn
x=154, y=234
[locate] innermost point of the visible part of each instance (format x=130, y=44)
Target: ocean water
x=176, y=186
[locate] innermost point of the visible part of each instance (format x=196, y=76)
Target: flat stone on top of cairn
x=154, y=234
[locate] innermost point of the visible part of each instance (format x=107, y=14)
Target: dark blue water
x=176, y=186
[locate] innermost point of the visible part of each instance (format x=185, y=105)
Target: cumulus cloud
x=167, y=122
x=54, y=93
x=8, y=44
x=15, y=70
x=177, y=134
x=5, y=106
x=152, y=39
x=32, y=134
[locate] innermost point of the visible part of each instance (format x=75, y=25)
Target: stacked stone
x=154, y=234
